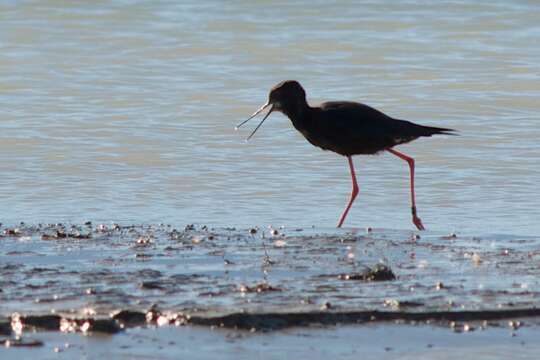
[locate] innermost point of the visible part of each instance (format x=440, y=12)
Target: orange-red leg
x=416, y=220
x=353, y=193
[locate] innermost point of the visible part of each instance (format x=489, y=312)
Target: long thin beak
x=258, y=126
x=253, y=115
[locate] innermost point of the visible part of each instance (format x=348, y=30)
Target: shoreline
x=374, y=341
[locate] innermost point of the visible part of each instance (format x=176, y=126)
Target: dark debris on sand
x=377, y=273
x=460, y=320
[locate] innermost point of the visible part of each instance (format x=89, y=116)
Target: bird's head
x=283, y=97
x=286, y=93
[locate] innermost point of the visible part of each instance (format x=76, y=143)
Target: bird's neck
x=298, y=112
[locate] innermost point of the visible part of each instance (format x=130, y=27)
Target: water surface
x=124, y=111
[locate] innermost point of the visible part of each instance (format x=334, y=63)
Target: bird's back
x=351, y=128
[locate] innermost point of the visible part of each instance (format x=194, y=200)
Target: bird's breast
x=317, y=139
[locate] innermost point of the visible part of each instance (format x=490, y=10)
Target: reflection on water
x=125, y=111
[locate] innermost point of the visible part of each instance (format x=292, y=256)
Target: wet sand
x=240, y=291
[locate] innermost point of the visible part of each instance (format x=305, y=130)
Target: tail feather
x=404, y=127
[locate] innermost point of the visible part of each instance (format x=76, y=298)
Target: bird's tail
x=410, y=131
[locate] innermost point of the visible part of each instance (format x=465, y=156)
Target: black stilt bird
x=347, y=128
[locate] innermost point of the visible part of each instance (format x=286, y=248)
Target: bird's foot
x=416, y=221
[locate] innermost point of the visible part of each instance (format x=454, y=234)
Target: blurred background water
x=125, y=111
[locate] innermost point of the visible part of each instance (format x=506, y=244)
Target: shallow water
x=124, y=111
x=94, y=271
x=371, y=342
x=241, y=293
